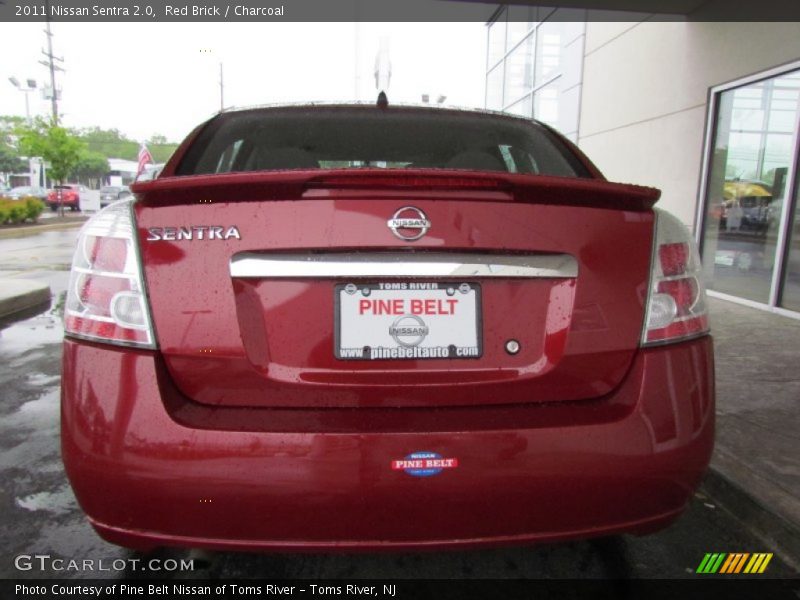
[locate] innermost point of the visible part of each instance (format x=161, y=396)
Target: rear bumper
x=150, y=468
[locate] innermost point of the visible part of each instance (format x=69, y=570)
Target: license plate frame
x=399, y=343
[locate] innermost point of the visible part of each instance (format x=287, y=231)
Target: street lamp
x=30, y=86
x=426, y=98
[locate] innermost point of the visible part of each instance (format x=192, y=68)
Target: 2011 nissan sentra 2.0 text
x=374, y=326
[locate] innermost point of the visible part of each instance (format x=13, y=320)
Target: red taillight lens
x=676, y=304
x=674, y=258
x=106, y=253
x=683, y=291
x=95, y=292
x=106, y=299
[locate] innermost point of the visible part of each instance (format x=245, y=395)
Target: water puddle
x=60, y=502
x=44, y=328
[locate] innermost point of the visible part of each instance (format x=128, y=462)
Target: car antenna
x=383, y=101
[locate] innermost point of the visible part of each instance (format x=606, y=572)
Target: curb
x=763, y=522
x=26, y=295
x=23, y=231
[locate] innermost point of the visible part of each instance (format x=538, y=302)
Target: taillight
x=106, y=300
x=676, y=303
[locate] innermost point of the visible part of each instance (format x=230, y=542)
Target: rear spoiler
x=383, y=183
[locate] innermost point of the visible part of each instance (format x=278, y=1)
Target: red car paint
x=242, y=430
x=70, y=197
x=151, y=467
x=235, y=349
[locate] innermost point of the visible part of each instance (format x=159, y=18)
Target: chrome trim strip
x=439, y=265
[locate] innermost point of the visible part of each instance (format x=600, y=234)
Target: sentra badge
x=193, y=232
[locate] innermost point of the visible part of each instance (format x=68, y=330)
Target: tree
x=10, y=162
x=160, y=148
x=8, y=128
x=91, y=166
x=56, y=145
x=111, y=143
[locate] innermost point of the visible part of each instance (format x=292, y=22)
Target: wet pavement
x=758, y=423
x=45, y=256
x=40, y=516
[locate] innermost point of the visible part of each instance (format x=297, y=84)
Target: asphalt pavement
x=756, y=450
x=756, y=461
x=33, y=256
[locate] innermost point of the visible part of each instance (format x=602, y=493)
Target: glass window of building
x=521, y=19
x=545, y=104
x=494, y=88
x=791, y=276
x=752, y=159
x=523, y=108
x=527, y=78
x=497, y=41
x=519, y=71
x=549, y=44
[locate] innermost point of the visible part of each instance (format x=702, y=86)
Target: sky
x=163, y=78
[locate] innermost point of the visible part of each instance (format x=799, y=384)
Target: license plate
x=407, y=320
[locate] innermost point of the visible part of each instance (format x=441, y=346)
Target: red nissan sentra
x=337, y=327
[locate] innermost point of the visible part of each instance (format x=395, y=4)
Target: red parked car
x=337, y=327
x=70, y=196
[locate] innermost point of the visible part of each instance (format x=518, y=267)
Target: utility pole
x=51, y=64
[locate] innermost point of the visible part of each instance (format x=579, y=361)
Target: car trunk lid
x=248, y=295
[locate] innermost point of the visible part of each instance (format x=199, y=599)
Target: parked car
x=340, y=327
x=70, y=196
x=26, y=191
x=150, y=172
x=112, y=193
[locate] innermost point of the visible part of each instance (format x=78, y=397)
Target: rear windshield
x=368, y=137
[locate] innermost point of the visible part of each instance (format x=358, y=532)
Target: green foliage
x=10, y=162
x=56, y=145
x=161, y=152
x=71, y=154
x=33, y=208
x=92, y=165
x=8, y=127
x=112, y=143
x=19, y=211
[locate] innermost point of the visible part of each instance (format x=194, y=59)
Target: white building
x=121, y=171
x=706, y=111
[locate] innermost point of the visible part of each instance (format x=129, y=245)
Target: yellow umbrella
x=744, y=189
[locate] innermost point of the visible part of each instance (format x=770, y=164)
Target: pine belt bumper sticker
x=424, y=464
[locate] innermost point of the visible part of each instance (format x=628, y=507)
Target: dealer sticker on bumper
x=407, y=320
x=424, y=464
